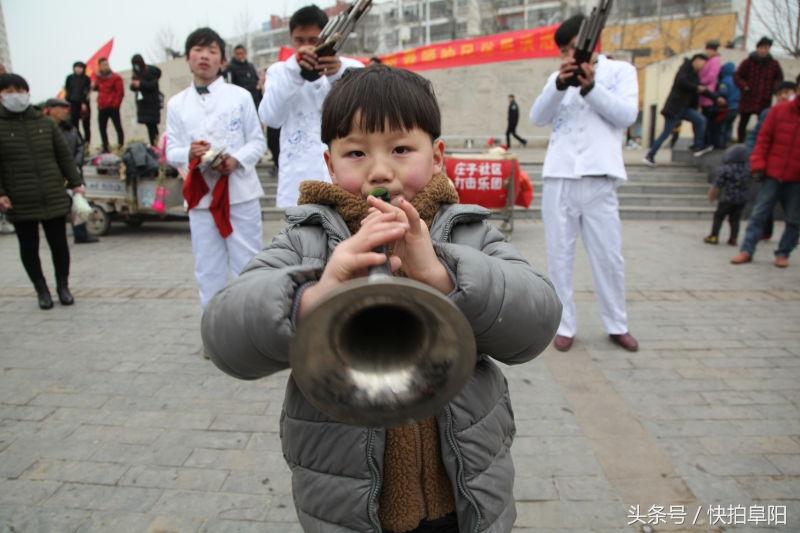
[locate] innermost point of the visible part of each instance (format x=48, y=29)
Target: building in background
x=394, y=25
x=5, y=53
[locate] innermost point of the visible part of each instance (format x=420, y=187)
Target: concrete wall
x=659, y=78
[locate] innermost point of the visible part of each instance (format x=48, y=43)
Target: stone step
x=625, y=212
x=655, y=188
x=654, y=200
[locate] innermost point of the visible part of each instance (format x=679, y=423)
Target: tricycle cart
x=114, y=198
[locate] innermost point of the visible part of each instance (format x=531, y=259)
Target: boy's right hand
x=353, y=257
x=713, y=194
x=198, y=149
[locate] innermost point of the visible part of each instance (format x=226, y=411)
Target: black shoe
x=43, y=294
x=86, y=240
x=64, y=296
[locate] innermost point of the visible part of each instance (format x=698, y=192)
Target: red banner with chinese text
x=510, y=46
x=484, y=180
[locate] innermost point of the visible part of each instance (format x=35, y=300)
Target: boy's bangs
x=372, y=100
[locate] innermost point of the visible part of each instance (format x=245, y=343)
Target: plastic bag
x=81, y=208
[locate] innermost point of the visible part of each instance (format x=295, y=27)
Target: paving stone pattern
x=110, y=420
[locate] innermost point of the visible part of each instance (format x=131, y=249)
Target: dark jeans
x=744, y=118
x=75, y=118
x=152, y=133
x=55, y=231
x=446, y=524
x=726, y=129
x=693, y=116
x=771, y=192
x=102, y=116
x=512, y=130
x=712, y=127
x=734, y=214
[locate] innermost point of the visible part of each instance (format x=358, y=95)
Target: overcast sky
x=47, y=36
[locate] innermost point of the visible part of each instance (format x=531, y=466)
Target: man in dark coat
x=76, y=91
x=757, y=77
x=513, y=120
x=144, y=82
x=681, y=105
x=243, y=73
x=59, y=111
x=35, y=163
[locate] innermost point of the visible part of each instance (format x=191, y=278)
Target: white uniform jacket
x=295, y=105
x=225, y=117
x=588, y=131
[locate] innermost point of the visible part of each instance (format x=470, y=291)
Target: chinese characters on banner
x=482, y=181
x=509, y=46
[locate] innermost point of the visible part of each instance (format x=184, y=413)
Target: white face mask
x=16, y=102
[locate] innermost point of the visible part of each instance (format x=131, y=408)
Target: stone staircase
x=672, y=191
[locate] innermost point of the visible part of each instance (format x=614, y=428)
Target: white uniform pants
x=215, y=258
x=588, y=205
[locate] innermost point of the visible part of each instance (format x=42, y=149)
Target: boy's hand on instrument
x=198, y=149
x=329, y=65
x=353, y=257
x=415, y=248
x=307, y=57
x=5, y=204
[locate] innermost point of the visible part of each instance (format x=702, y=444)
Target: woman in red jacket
x=776, y=160
x=110, y=92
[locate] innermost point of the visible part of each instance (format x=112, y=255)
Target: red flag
x=104, y=51
x=91, y=64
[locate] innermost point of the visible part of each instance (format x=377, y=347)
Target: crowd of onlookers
x=764, y=165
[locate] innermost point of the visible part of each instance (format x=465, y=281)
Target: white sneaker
x=703, y=151
x=649, y=162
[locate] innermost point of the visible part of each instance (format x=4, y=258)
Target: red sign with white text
x=509, y=46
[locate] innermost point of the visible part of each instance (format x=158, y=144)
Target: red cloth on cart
x=482, y=181
x=195, y=187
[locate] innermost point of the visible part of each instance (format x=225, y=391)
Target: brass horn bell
x=382, y=351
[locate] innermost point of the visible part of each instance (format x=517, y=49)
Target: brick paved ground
x=110, y=421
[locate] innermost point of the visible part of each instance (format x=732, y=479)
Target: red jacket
x=109, y=91
x=777, y=151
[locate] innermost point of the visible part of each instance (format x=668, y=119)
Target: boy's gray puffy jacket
x=337, y=468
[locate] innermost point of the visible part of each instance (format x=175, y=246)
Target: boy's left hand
x=415, y=249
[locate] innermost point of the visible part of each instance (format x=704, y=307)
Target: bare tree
x=165, y=46
x=783, y=19
x=243, y=26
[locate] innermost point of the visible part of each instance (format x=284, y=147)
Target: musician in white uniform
x=294, y=104
x=582, y=170
x=213, y=117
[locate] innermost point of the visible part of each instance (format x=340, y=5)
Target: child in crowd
x=215, y=118
x=452, y=471
x=732, y=188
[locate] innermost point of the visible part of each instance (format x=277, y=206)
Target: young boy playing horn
x=449, y=472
